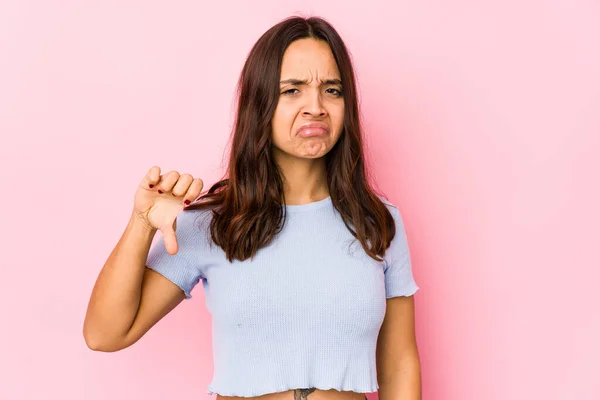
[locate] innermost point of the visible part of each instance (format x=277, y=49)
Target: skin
x=302, y=394
x=316, y=99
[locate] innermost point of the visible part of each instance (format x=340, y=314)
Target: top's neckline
x=308, y=206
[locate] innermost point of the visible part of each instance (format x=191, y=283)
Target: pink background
x=483, y=126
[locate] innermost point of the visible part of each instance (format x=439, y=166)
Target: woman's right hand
x=160, y=211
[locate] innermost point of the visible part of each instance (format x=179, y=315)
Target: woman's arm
x=128, y=298
x=398, y=364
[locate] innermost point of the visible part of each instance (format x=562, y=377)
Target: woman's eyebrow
x=293, y=81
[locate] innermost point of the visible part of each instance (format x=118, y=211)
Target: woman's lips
x=313, y=129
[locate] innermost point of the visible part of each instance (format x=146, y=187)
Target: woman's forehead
x=307, y=59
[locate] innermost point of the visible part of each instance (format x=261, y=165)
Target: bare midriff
x=302, y=394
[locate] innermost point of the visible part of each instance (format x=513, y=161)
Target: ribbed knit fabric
x=304, y=313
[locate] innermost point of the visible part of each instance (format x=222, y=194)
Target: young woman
x=305, y=269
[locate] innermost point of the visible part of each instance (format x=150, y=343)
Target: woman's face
x=309, y=116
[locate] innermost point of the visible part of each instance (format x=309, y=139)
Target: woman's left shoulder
x=391, y=206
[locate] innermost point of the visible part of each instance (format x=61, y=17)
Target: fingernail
x=151, y=186
x=160, y=191
x=187, y=202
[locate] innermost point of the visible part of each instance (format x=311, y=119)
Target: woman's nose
x=314, y=105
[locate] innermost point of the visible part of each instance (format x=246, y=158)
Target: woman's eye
x=333, y=91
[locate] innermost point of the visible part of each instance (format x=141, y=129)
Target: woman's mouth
x=313, y=129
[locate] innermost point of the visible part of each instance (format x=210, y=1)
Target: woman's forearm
x=404, y=383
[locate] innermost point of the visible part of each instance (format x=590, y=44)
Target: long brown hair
x=247, y=206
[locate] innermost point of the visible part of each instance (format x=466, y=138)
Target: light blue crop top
x=305, y=313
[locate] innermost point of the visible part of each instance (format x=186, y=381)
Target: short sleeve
x=399, y=280
x=180, y=268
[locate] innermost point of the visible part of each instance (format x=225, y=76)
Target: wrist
x=139, y=223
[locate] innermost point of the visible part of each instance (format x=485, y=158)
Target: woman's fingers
x=167, y=181
x=152, y=178
x=182, y=185
x=194, y=190
x=170, y=238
